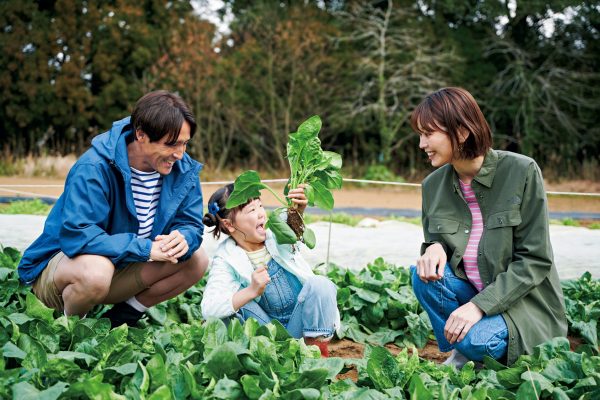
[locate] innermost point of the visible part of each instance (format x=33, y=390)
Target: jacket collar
x=238, y=259
x=486, y=174
x=488, y=169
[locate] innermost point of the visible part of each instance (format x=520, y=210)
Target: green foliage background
x=68, y=68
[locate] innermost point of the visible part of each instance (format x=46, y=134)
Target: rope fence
x=10, y=188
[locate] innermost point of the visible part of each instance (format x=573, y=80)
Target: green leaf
x=322, y=196
x=314, y=378
x=333, y=364
x=246, y=186
x=5, y=273
x=141, y=379
x=215, y=334
x=282, y=231
x=588, y=331
x=510, y=377
x=35, y=308
x=20, y=318
x=529, y=390
x=36, y=354
x=559, y=370
x=334, y=160
x=125, y=369
x=419, y=328
x=74, y=355
x=251, y=386
x=310, y=128
x=26, y=391
x=309, y=238
x=227, y=389
x=305, y=393
x=417, y=389
x=383, y=368
x=162, y=393
x=157, y=371
x=10, y=350
x=224, y=360
x=366, y=295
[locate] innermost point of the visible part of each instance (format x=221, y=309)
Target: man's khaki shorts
x=126, y=282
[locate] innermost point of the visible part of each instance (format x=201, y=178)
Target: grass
x=338, y=218
x=353, y=220
x=32, y=207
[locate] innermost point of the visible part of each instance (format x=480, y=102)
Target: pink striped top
x=470, y=257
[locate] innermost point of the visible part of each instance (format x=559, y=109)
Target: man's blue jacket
x=96, y=213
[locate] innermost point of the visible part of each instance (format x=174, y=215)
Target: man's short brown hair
x=161, y=113
x=452, y=110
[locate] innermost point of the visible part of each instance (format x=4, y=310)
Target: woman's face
x=248, y=226
x=438, y=147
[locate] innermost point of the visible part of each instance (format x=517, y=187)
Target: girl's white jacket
x=231, y=270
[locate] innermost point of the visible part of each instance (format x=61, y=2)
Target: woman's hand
x=298, y=197
x=461, y=321
x=430, y=266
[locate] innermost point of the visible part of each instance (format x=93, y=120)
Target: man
x=127, y=229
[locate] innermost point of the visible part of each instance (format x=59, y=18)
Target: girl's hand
x=260, y=278
x=461, y=321
x=430, y=266
x=298, y=197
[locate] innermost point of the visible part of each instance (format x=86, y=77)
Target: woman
x=251, y=275
x=486, y=275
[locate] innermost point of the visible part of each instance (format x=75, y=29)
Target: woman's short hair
x=452, y=110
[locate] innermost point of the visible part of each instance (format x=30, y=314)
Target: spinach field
x=174, y=354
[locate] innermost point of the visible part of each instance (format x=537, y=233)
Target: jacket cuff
x=147, y=249
x=488, y=303
x=425, y=245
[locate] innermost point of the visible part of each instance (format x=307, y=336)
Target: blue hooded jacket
x=96, y=213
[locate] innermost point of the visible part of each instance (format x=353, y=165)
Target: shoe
x=456, y=359
x=323, y=345
x=123, y=313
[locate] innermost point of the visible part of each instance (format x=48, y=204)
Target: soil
x=346, y=348
x=294, y=220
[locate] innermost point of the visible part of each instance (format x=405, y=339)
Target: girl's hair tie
x=213, y=208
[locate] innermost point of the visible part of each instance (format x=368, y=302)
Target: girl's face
x=248, y=226
x=438, y=147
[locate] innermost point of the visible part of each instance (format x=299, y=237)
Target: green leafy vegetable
x=319, y=170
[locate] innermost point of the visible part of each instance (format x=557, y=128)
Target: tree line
x=68, y=68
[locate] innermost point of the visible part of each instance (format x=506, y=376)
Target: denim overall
x=284, y=300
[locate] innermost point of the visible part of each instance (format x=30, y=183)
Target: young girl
x=253, y=276
x=486, y=274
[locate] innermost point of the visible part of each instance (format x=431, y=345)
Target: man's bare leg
x=84, y=281
x=166, y=280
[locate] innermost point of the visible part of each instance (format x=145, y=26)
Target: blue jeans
x=313, y=314
x=488, y=337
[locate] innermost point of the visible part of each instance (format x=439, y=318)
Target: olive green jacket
x=515, y=255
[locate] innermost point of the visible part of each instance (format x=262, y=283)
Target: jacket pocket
x=443, y=225
x=504, y=219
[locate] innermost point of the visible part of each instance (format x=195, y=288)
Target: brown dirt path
x=372, y=196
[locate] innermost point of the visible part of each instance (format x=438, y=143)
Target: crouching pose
x=251, y=275
x=127, y=229
x=486, y=276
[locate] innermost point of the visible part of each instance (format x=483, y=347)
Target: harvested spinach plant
x=310, y=165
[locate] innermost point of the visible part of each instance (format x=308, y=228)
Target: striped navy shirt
x=146, y=188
